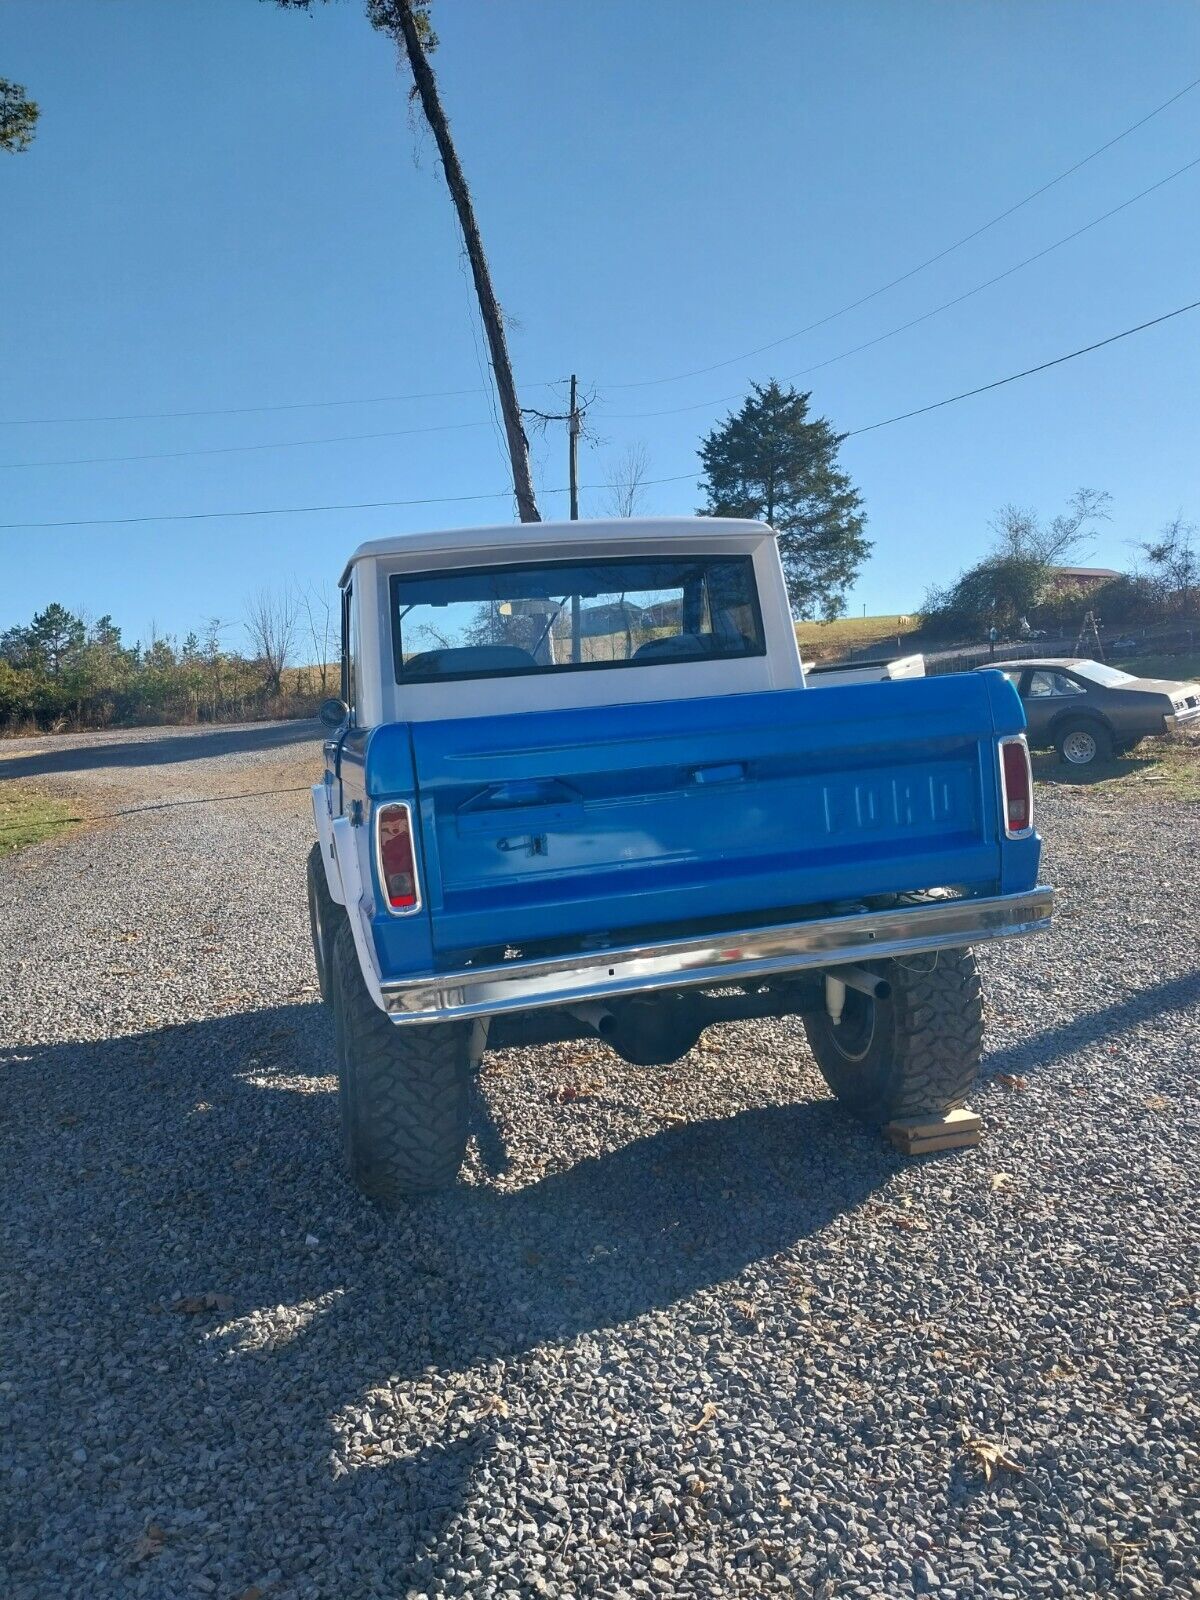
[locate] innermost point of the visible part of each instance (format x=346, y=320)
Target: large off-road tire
x=915, y=1053
x=324, y=914
x=403, y=1092
x=1083, y=742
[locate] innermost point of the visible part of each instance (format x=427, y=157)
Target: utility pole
x=573, y=417
x=573, y=445
x=399, y=21
x=573, y=432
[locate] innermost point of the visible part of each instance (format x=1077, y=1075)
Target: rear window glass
x=573, y=616
x=1100, y=672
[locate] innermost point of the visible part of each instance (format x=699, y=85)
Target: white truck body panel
x=869, y=672
x=380, y=698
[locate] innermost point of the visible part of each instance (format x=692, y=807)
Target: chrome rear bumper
x=715, y=958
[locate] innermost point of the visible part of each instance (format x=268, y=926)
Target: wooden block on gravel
x=919, y=1136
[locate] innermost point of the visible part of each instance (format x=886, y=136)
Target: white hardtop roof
x=514, y=539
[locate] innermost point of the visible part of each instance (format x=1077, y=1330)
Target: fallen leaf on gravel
x=1012, y=1080
x=706, y=1416
x=1000, y=1180
x=990, y=1458
x=191, y=1305
x=566, y=1092
x=150, y=1544
x=492, y=1405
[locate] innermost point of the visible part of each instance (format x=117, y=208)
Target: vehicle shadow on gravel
x=1146, y=1005
x=164, y=749
x=203, y=1159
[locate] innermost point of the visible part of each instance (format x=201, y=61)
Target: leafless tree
x=1022, y=536
x=626, y=478
x=272, y=619
x=1176, y=562
x=318, y=614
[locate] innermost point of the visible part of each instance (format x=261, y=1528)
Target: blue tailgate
x=541, y=825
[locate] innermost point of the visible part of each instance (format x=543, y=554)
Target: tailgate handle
x=728, y=772
x=507, y=808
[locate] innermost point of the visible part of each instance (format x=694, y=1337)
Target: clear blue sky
x=225, y=206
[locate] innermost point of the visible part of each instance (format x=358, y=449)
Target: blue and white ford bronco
x=576, y=784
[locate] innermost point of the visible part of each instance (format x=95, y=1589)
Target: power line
x=504, y=494
x=616, y=416
x=240, y=449
x=242, y=411
x=946, y=305
x=447, y=394
x=930, y=261
x=157, y=805
x=999, y=383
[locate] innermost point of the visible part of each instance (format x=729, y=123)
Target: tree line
x=62, y=671
x=1021, y=579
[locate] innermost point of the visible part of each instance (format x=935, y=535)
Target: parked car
x=520, y=840
x=1090, y=711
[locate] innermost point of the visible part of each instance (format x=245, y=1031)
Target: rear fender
x=322, y=804
x=358, y=905
x=1082, y=715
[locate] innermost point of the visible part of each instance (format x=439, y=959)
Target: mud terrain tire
x=915, y=1053
x=403, y=1092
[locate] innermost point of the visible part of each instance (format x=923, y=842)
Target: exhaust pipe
x=596, y=1017
x=859, y=978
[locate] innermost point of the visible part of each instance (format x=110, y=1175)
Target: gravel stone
x=688, y=1332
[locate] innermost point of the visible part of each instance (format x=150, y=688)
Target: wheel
x=403, y=1091
x=324, y=914
x=914, y=1053
x=1083, y=742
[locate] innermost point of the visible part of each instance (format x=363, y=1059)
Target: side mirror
x=333, y=712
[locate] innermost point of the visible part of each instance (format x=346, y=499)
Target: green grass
x=819, y=641
x=1159, y=768
x=1183, y=668
x=27, y=815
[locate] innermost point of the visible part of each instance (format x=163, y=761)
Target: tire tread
x=404, y=1092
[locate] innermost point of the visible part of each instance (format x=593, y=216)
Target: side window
x=1043, y=684
x=349, y=647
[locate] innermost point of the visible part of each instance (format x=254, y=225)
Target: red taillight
x=397, y=862
x=1016, y=788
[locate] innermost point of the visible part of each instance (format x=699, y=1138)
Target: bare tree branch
x=626, y=478
x=271, y=622
x=318, y=612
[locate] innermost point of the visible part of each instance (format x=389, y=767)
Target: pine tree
x=770, y=460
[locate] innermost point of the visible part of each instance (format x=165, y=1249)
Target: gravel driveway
x=683, y=1331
